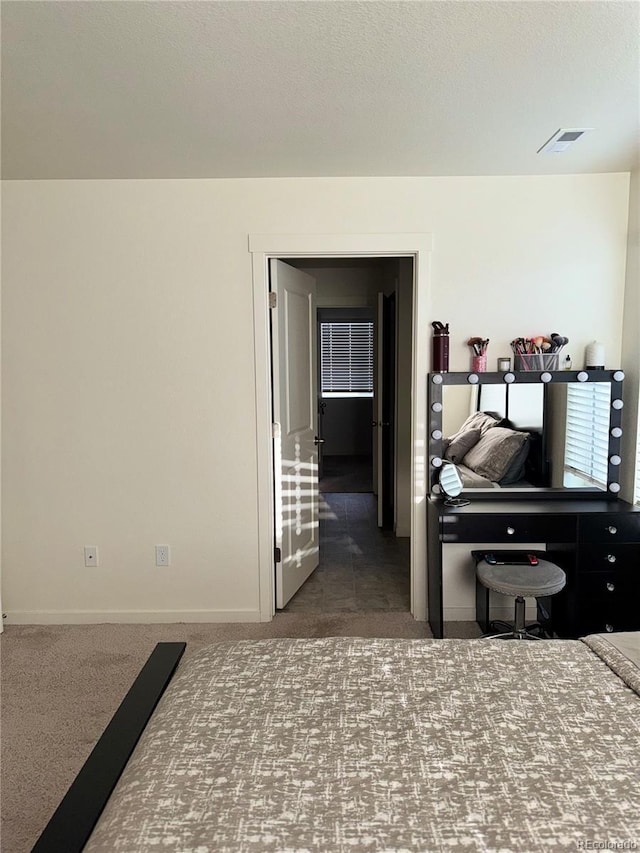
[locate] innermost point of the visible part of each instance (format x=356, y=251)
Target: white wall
x=128, y=367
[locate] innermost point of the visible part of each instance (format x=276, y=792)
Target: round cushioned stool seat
x=527, y=581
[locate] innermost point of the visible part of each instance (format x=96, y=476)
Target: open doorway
x=418, y=248
x=364, y=417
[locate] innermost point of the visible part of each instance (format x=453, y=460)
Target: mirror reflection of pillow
x=478, y=420
x=459, y=446
x=515, y=471
x=493, y=454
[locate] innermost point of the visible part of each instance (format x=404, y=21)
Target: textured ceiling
x=133, y=89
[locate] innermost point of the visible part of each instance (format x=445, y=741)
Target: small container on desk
x=536, y=361
x=479, y=363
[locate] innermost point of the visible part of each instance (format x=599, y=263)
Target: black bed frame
x=73, y=821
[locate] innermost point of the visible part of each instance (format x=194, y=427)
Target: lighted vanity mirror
x=529, y=431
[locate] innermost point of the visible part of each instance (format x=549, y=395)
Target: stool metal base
x=518, y=631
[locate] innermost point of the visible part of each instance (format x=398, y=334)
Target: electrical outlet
x=163, y=555
x=91, y=555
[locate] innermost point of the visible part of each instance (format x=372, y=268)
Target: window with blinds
x=346, y=359
x=587, y=433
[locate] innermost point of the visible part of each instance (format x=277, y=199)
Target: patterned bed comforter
x=358, y=745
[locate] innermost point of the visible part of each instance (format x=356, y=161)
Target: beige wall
x=128, y=364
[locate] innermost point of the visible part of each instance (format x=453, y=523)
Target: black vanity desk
x=595, y=541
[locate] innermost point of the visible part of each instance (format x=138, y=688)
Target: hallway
x=362, y=568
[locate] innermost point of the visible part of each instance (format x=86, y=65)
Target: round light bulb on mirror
x=436, y=435
x=616, y=432
x=436, y=407
x=509, y=378
x=614, y=487
x=473, y=379
x=615, y=459
x=618, y=375
x=617, y=404
x=582, y=376
x=437, y=379
x=545, y=377
x=436, y=462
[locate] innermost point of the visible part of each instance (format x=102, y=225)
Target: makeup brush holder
x=536, y=361
x=479, y=363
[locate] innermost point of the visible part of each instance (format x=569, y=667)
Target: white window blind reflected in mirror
x=346, y=359
x=587, y=434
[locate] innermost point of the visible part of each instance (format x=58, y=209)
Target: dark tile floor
x=362, y=568
x=347, y=473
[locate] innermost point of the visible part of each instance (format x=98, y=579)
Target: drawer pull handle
x=511, y=530
x=608, y=628
x=611, y=587
x=611, y=558
x=613, y=530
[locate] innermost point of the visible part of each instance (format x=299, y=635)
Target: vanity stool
x=519, y=579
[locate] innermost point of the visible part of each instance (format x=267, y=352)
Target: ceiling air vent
x=562, y=139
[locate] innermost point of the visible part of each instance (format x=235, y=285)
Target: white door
x=294, y=355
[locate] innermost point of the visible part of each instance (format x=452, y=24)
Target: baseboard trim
x=468, y=614
x=141, y=617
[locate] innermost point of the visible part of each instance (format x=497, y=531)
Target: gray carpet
x=61, y=684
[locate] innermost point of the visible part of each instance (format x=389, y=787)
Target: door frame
x=418, y=246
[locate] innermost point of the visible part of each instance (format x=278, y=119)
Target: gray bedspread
x=320, y=745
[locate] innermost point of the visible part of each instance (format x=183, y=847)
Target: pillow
x=478, y=420
x=460, y=445
x=515, y=471
x=493, y=454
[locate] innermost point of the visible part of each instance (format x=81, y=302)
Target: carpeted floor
x=61, y=684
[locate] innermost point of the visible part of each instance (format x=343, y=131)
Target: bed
x=350, y=744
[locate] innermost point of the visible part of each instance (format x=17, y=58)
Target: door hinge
x=273, y=299
x=277, y=555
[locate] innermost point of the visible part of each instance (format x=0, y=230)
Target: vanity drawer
x=607, y=602
x=512, y=528
x=613, y=527
x=610, y=556
x=600, y=588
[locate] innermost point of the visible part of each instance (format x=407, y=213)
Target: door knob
x=374, y=423
x=317, y=440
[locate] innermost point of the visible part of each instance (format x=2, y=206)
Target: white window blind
x=587, y=434
x=346, y=358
